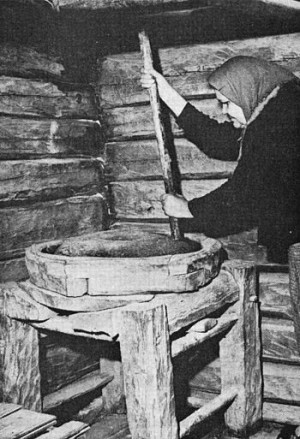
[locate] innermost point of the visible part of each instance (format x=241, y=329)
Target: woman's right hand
x=150, y=77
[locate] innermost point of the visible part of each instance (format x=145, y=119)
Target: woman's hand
x=171, y=97
x=176, y=206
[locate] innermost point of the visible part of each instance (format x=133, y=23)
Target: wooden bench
x=19, y=423
x=148, y=334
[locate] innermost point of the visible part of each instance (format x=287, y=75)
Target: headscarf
x=247, y=81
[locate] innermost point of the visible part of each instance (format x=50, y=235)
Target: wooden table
x=146, y=332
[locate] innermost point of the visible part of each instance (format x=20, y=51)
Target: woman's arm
x=219, y=141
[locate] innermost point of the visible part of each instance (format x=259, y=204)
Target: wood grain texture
x=240, y=354
x=281, y=381
x=116, y=4
x=294, y=272
x=22, y=226
x=46, y=179
x=70, y=430
x=22, y=137
x=25, y=424
x=19, y=363
x=141, y=199
x=19, y=305
x=88, y=383
x=26, y=97
x=279, y=342
x=26, y=61
x=136, y=122
x=138, y=159
x=178, y=61
x=148, y=374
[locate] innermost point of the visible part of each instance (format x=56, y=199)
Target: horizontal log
x=203, y=413
x=22, y=226
x=139, y=159
x=20, y=137
x=27, y=62
x=25, y=97
x=281, y=381
x=130, y=92
x=274, y=294
x=272, y=412
x=141, y=199
x=88, y=383
x=137, y=122
x=46, y=179
x=116, y=4
x=181, y=60
x=13, y=270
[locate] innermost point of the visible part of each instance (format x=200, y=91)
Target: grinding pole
x=160, y=131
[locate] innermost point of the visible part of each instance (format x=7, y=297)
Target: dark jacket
x=264, y=190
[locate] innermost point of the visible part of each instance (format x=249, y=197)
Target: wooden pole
x=148, y=373
x=294, y=273
x=240, y=354
x=160, y=131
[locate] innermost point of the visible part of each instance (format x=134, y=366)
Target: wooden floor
x=116, y=427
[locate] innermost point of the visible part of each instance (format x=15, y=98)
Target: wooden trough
x=92, y=275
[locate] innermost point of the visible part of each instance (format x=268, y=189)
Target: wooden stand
x=145, y=333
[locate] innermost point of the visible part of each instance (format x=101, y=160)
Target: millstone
x=116, y=245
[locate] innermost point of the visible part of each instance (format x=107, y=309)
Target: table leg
x=148, y=374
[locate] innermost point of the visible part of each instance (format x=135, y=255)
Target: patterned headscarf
x=247, y=81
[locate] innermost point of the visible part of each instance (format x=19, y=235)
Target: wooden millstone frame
x=79, y=275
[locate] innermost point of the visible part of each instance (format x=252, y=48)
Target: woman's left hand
x=175, y=206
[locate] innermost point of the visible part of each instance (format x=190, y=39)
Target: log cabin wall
x=51, y=174
x=51, y=169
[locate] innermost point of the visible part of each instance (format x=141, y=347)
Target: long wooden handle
x=160, y=131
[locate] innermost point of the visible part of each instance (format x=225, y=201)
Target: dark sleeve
x=226, y=210
x=216, y=140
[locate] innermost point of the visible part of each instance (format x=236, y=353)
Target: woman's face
x=234, y=112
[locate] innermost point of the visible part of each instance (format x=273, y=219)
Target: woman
x=262, y=102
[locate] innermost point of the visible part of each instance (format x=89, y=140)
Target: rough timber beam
x=120, y=4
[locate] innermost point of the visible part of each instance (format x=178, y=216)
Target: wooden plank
x=88, y=383
x=69, y=430
x=116, y=4
x=25, y=424
x=39, y=137
x=141, y=199
x=138, y=159
x=20, y=381
x=281, y=381
x=19, y=305
x=6, y=409
x=136, y=122
x=281, y=413
x=146, y=359
x=240, y=354
x=194, y=338
x=274, y=294
x=26, y=97
x=22, y=226
x=207, y=411
x=39, y=180
x=279, y=340
x=272, y=412
x=27, y=62
x=129, y=92
x=175, y=61
x=294, y=272
x=183, y=309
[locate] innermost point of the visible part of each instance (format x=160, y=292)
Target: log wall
x=133, y=170
x=51, y=173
